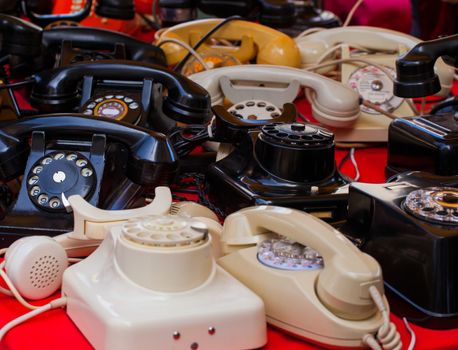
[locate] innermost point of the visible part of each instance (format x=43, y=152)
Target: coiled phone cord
x=388, y=338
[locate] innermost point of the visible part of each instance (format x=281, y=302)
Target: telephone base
x=367, y=128
x=115, y=313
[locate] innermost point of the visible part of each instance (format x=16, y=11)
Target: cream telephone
x=314, y=282
x=369, y=70
x=152, y=283
x=266, y=45
x=333, y=104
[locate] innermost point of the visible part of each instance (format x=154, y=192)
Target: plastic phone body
x=287, y=164
x=410, y=225
x=428, y=143
x=111, y=165
x=294, y=286
x=257, y=42
x=370, y=82
x=191, y=301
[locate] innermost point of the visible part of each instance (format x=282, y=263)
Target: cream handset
x=314, y=282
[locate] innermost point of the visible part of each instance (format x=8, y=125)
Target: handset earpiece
x=57, y=89
x=20, y=38
x=35, y=265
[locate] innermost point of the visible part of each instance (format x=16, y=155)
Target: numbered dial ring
x=435, y=204
x=117, y=107
x=58, y=173
x=288, y=255
x=376, y=87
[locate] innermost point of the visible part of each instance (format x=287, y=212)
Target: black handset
x=75, y=44
x=57, y=90
x=110, y=164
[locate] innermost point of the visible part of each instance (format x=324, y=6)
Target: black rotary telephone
x=110, y=164
x=410, y=226
x=275, y=162
x=32, y=49
x=122, y=90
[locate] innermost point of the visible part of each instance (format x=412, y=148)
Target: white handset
x=333, y=103
x=314, y=45
x=314, y=282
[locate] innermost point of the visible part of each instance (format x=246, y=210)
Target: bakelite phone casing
x=164, y=297
x=418, y=257
x=428, y=143
x=289, y=165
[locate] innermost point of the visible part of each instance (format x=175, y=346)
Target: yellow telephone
x=314, y=282
x=369, y=70
x=267, y=45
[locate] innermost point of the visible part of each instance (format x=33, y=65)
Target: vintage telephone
x=333, y=104
x=410, y=226
x=32, y=49
x=178, y=279
x=287, y=164
x=370, y=73
x=122, y=90
x=314, y=282
x=257, y=42
x=111, y=165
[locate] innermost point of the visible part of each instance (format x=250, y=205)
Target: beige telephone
x=314, y=282
x=333, y=104
x=373, y=82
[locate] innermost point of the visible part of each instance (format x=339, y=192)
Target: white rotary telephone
x=369, y=70
x=314, y=282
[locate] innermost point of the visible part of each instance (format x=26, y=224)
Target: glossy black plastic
x=19, y=37
x=36, y=15
x=151, y=161
x=173, y=12
x=418, y=258
x=118, y=9
x=57, y=89
x=428, y=143
x=415, y=76
x=277, y=13
x=288, y=165
x=96, y=39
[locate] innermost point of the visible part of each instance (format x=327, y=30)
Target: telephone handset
x=111, y=165
x=121, y=90
x=259, y=42
x=410, y=225
x=329, y=285
x=333, y=103
x=371, y=73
